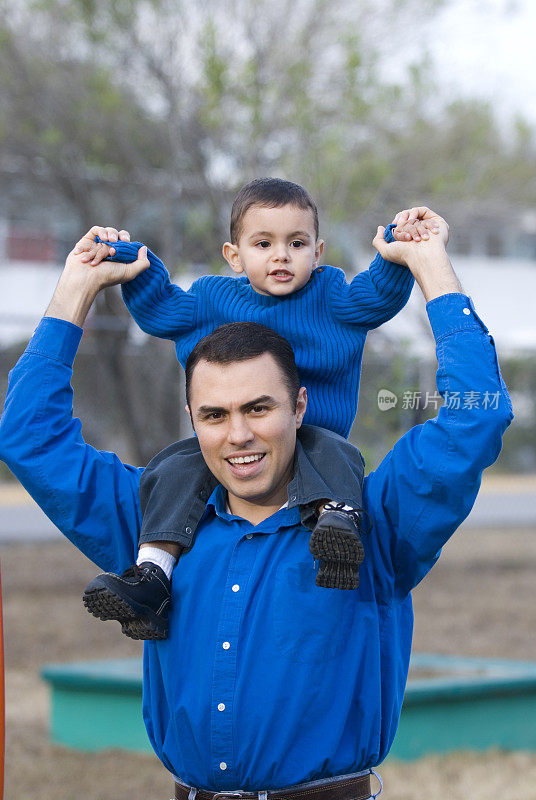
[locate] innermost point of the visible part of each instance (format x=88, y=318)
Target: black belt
x=357, y=788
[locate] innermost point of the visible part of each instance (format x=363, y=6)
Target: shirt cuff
x=451, y=313
x=56, y=339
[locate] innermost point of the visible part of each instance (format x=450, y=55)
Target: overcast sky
x=488, y=48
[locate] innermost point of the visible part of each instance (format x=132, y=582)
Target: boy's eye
x=297, y=244
x=264, y=244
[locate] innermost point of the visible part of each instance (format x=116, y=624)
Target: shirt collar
x=282, y=518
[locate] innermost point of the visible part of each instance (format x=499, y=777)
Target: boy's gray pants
x=176, y=484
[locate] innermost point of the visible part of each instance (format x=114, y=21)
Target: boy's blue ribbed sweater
x=326, y=322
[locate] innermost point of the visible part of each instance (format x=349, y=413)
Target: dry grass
x=479, y=600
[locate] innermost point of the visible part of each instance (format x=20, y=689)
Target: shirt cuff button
x=466, y=311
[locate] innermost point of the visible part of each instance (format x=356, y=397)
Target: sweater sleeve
x=426, y=486
x=90, y=495
x=374, y=295
x=158, y=306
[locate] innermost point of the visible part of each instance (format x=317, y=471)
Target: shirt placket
x=225, y=659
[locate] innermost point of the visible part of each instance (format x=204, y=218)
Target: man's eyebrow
x=210, y=410
x=264, y=399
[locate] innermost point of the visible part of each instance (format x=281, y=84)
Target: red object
x=2, y=701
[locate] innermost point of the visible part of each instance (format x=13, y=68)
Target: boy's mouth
x=281, y=274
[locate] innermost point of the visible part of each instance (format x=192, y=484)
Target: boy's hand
x=415, y=224
x=80, y=282
x=409, y=252
x=95, y=252
x=427, y=260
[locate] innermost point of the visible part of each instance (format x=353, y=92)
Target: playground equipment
x=2, y=699
x=451, y=703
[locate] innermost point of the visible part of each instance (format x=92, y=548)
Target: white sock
x=157, y=556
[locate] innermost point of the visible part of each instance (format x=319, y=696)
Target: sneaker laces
x=354, y=513
x=131, y=572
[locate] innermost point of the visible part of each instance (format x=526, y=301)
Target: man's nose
x=239, y=432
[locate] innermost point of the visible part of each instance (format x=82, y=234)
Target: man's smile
x=245, y=465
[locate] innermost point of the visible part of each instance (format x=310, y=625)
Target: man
x=267, y=681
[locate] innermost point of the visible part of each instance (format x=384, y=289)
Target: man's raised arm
x=89, y=495
x=425, y=487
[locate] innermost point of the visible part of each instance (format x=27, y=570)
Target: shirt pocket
x=311, y=624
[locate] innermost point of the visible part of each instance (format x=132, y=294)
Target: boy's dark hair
x=271, y=193
x=240, y=341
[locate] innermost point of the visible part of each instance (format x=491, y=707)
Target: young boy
x=274, y=241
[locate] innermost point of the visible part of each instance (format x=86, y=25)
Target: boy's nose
x=280, y=253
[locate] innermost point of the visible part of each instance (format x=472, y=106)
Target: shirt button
x=226, y=645
x=188, y=530
x=236, y=587
x=223, y=765
x=249, y=536
x=221, y=706
x=466, y=311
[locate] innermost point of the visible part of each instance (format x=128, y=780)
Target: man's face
x=277, y=249
x=246, y=426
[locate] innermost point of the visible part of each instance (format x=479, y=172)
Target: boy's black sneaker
x=138, y=599
x=336, y=543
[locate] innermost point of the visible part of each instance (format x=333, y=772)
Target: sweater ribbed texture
x=326, y=322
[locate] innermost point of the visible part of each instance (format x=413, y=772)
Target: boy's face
x=277, y=249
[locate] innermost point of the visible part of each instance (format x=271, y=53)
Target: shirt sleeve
x=160, y=307
x=91, y=496
x=426, y=486
x=374, y=295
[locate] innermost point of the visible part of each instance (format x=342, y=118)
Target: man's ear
x=230, y=254
x=319, y=249
x=187, y=409
x=301, y=406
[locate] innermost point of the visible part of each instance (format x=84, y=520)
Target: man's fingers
x=111, y=235
x=379, y=240
x=83, y=246
x=124, y=236
x=138, y=266
x=401, y=218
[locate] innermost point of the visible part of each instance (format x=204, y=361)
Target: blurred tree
x=148, y=114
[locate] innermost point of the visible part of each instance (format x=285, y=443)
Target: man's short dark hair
x=270, y=193
x=240, y=341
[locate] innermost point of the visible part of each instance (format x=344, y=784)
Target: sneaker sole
x=105, y=604
x=339, y=554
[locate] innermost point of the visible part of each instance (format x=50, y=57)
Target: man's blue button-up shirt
x=267, y=680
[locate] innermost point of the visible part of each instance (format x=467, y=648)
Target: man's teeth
x=246, y=459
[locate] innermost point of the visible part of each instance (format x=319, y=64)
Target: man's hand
x=80, y=281
x=427, y=259
x=95, y=252
x=415, y=224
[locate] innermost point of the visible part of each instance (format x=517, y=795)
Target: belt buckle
x=237, y=793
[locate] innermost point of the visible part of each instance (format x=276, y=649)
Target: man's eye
x=258, y=409
x=214, y=416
